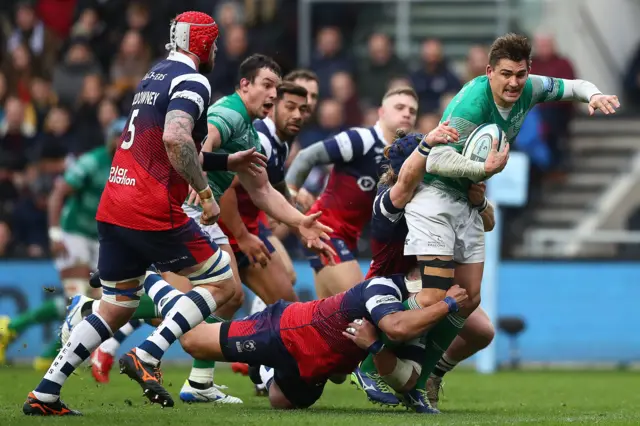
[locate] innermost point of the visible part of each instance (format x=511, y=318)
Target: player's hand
x=58, y=249
x=250, y=161
x=476, y=193
x=304, y=200
x=326, y=252
x=210, y=208
x=194, y=198
x=496, y=161
x=362, y=333
x=605, y=103
x=459, y=294
x=442, y=134
x=255, y=250
x=312, y=231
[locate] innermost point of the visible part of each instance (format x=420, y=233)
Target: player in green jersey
x=445, y=230
x=231, y=130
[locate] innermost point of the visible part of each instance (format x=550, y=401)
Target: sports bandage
x=216, y=269
x=115, y=293
x=401, y=374
x=75, y=286
x=413, y=286
x=448, y=163
x=437, y=273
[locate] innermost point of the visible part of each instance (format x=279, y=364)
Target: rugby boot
x=418, y=401
x=147, y=377
x=376, y=389
x=434, y=387
x=212, y=393
x=34, y=407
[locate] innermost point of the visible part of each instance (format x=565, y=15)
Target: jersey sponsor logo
x=548, y=84
x=366, y=183
x=118, y=175
x=381, y=300
x=154, y=76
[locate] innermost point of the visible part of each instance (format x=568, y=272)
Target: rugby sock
x=111, y=345
x=201, y=376
x=266, y=375
x=52, y=349
x=85, y=337
x=438, y=340
x=187, y=312
x=444, y=365
x=53, y=309
x=367, y=366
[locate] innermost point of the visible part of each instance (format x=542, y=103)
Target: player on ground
x=230, y=130
x=388, y=232
x=347, y=200
x=141, y=222
x=445, y=231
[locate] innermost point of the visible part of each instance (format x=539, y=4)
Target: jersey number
x=131, y=130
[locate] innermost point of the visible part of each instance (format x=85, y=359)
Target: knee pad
x=216, y=269
x=75, y=286
x=437, y=273
x=125, y=293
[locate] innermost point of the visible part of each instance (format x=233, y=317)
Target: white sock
x=266, y=374
x=202, y=376
x=445, y=364
x=85, y=337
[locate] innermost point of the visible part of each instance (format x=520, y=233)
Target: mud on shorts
x=255, y=340
x=440, y=224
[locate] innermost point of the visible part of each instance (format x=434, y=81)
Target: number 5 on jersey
x=131, y=130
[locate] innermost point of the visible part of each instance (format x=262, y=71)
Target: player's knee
x=236, y=299
x=192, y=345
x=483, y=335
x=125, y=293
x=278, y=400
x=214, y=270
x=293, y=277
x=437, y=272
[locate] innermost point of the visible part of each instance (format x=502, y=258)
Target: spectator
x=19, y=72
x=90, y=27
x=78, y=63
x=16, y=135
x=8, y=191
x=329, y=58
x=86, y=125
x=380, y=67
x=427, y=122
x=556, y=116
x=434, y=78
x=235, y=50
x=30, y=226
x=477, y=61
x=107, y=114
x=343, y=90
x=370, y=117
x=30, y=31
x=42, y=99
x=132, y=62
x=57, y=134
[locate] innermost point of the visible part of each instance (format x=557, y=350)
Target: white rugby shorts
x=81, y=250
x=441, y=225
x=213, y=231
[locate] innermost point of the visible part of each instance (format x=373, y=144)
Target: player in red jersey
x=357, y=155
x=141, y=222
x=388, y=233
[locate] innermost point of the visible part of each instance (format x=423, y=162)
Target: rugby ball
x=478, y=143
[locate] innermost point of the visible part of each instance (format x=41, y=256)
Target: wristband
x=482, y=207
x=206, y=194
x=453, y=305
x=293, y=192
x=423, y=147
x=55, y=234
x=376, y=347
x=214, y=161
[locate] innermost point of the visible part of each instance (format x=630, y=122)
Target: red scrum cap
x=194, y=32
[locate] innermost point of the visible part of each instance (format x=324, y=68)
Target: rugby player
x=346, y=201
x=231, y=129
x=388, y=232
x=141, y=222
x=73, y=233
x=444, y=230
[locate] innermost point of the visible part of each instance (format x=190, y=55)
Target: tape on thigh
x=216, y=269
x=437, y=273
x=125, y=293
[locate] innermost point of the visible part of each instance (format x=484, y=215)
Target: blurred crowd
x=68, y=69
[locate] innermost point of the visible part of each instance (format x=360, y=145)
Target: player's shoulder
x=392, y=284
x=365, y=136
x=231, y=108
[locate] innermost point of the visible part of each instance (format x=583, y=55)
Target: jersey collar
x=378, y=129
x=181, y=57
x=272, y=129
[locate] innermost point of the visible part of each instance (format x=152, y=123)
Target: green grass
x=535, y=398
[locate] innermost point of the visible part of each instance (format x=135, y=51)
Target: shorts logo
x=436, y=241
x=118, y=176
x=246, y=346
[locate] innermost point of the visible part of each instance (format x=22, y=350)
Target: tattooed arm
x=181, y=148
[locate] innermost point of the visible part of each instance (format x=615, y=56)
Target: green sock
x=52, y=349
x=146, y=309
x=438, y=340
x=53, y=309
x=201, y=375
x=367, y=366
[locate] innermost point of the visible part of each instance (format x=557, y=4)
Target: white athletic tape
x=400, y=375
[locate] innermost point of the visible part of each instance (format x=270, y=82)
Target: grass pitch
x=534, y=398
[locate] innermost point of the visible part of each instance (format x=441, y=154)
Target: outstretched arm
x=306, y=160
